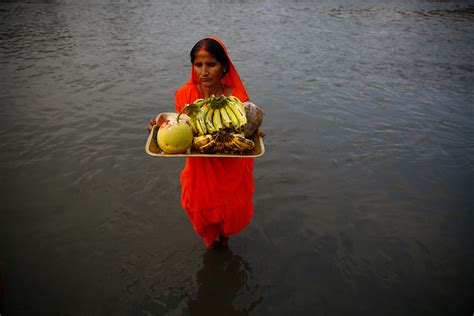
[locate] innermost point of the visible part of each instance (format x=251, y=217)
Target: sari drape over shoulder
x=216, y=192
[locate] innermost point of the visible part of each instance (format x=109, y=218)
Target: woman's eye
x=212, y=64
x=197, y=65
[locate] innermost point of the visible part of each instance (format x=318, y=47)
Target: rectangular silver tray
x=152, y=148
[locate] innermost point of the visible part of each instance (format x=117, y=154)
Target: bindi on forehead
x=205, y=56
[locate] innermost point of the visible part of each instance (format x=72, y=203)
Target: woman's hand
x=261, y=133
x=151, y=123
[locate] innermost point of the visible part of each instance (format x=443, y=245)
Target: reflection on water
x=225, y=286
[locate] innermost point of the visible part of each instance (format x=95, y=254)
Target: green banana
x=200, y=117
x=225, y=118
x=199, y=128
x=209, y=123
x=239, y=114
x=193, y=126
x=237, y=102
x=233, y=118
x=216, y=119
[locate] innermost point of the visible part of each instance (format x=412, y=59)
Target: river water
x=363, y=202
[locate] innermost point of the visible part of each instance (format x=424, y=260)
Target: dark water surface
x=363, y=202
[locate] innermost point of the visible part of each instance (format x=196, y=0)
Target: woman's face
x=207, y=69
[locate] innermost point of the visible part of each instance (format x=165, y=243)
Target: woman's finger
x=151, y=123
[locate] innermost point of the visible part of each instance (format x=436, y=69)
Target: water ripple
x=364, y=187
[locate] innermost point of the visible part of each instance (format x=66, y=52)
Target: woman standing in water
x=216, y=192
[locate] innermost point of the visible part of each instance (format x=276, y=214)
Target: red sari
x=216, y=192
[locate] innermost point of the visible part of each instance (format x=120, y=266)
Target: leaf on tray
x=192, y=109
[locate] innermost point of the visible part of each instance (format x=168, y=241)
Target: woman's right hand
x=151, y=123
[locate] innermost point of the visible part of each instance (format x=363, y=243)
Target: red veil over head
x=231, y=78
x=189, y=92
x=208, y=183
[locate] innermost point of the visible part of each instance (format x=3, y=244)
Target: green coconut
x=175, y=136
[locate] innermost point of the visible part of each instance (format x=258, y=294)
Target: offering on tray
x=216, y=125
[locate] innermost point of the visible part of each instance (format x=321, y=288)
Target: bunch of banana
x=223, y=142
x=218, y=124
x=217, y=114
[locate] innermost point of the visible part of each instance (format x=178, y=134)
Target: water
x=363, y=202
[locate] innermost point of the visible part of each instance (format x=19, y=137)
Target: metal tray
x=152, y=149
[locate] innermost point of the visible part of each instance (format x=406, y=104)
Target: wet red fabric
x=216, y=192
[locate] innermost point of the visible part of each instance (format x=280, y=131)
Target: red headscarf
x=189, y=92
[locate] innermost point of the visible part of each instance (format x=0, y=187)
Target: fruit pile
x=219, y=124
x=215, y=125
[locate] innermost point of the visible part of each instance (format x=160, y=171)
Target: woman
x=216, y=192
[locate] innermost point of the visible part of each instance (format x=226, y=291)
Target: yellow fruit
x=175, y=137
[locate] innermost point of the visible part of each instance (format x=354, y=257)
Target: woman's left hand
x=261, y=133
x=150, y=125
